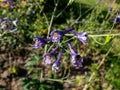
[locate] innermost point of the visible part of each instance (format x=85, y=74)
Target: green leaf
x=31, y=63
x=14, y=70
x=70, y=2
x=108, y=38
x=30, y=69
x=79, y=80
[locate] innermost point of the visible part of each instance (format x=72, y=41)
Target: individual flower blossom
x=83, y=37
x=6, y=26
x=56, y=65
x=39, y=42
x=76, y=59
x=57, y=35
x=9, y=24
x=10, y=3
x=1, y=20
x=110, y=9
x=49, y=57
x=4, y=4
x=15, y=22
x=117, y=19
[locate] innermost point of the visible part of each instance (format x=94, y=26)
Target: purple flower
x=11, y=3
x=56, y=65
x=49, y=57
x=39, y=42
x=57, y=35
x=117, y=19
x=83, y=37
x=76, y=59
x=1, y=20
x=110, y=9
x=6, y=26
x=4, y=3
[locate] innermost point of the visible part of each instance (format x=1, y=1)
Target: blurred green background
x=21, y=65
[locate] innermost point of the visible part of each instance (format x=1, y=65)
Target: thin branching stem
x=93, y=37
x=81, y=15
x=50, y=25
x=99, y=35
x=98, y=41
x=104, y=35
x=60, y=80
x=52, y=18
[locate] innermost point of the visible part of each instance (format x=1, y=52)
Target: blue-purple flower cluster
x=8, y=24
x=56, y=36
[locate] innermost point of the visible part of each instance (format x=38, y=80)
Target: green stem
x=68, y=40
x=98, y=42
x=104, y=35
x=100, y=35
x=93, y=37
x=51, y=21
x=81, y=15
x=51, y=47
x=63, y=48
x=59, y=80
x=52, y=18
